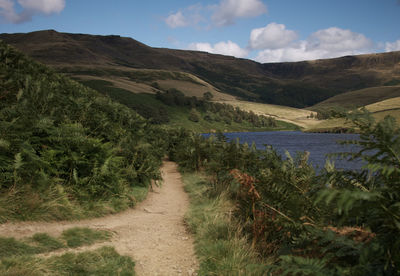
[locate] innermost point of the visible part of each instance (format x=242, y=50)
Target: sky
x=261, y=30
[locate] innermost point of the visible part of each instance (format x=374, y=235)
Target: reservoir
x=318, y=144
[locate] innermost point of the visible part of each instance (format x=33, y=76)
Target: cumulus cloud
x=7, y=11
x=272, y=36
x=296, y=52
x=337, y=40
x=229, y=10
x=228, y=48
x=176, y=20
x=326, y=43
x=29, y=9
x=190, y=16
x=392, y=46
x=43, y=6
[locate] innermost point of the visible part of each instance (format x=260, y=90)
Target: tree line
x=213, y=112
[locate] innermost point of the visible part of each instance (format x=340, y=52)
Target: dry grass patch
x=386, y=105
x=288, y=114
x=362, y=97
x=191, y=89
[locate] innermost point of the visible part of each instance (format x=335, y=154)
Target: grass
x=12, y=247
x=219, y=243
x=103, y=261
x=42, y=242
x=46, y=242
x=76, y=237
x=379, y=111
x=359, y=98
x=291, y=115
x=179, y=118
x=54, y=204
x=18, y=257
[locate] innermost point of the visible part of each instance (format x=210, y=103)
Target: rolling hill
x=295, y=84
x=359, y=98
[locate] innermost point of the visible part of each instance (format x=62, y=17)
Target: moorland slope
x=295, y=84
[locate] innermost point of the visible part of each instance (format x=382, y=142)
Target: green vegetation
x=68, y=152
x=335, y=223
x=331, y=112
x=18, y=257
x=220, y=246
x=103, y=261
x=173, y=109
x=65, y=150
x=42, y=242
x=76, y=237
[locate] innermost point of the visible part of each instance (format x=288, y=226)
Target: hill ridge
x=296, y=84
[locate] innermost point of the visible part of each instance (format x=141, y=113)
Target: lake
x=318, y=144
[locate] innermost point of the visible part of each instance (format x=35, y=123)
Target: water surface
x=318, y=144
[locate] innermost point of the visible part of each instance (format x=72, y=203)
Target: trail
x=153, y=234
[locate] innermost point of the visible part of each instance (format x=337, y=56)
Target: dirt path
x=153, y=233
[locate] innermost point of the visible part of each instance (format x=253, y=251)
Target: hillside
x=359, y=98
x=66, y=151
x=296, y=84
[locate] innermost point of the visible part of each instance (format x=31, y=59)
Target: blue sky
x=263, y=30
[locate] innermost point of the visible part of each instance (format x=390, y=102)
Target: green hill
x=296, y=84
x=67, y=151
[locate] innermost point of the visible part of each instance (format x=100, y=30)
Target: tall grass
x=220, y=244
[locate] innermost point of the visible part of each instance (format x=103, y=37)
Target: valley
x=91, y=126
x=290, y=91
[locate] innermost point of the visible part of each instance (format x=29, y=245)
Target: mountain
x=296, y=84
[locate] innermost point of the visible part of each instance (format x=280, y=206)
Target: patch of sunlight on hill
x=191, y=89
x=292, y=115
x=361, y=97
x=386, y=105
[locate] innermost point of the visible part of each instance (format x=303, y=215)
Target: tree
x=208, y=96
x=194, y=115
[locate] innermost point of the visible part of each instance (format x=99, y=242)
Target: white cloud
x=293, y=53
x=326, y=43
x=190, y=16
x=228, y=10
x=43, y=6
x=176, y=20
x=7, y=11
x=392, y=46
x=228, y=48
x=338, y=40
x=272, y=36
x=29, y=9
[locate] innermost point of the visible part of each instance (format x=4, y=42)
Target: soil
x=153, y=234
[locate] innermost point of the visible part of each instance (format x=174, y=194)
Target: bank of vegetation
x=301, y=223
x=67, y=151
